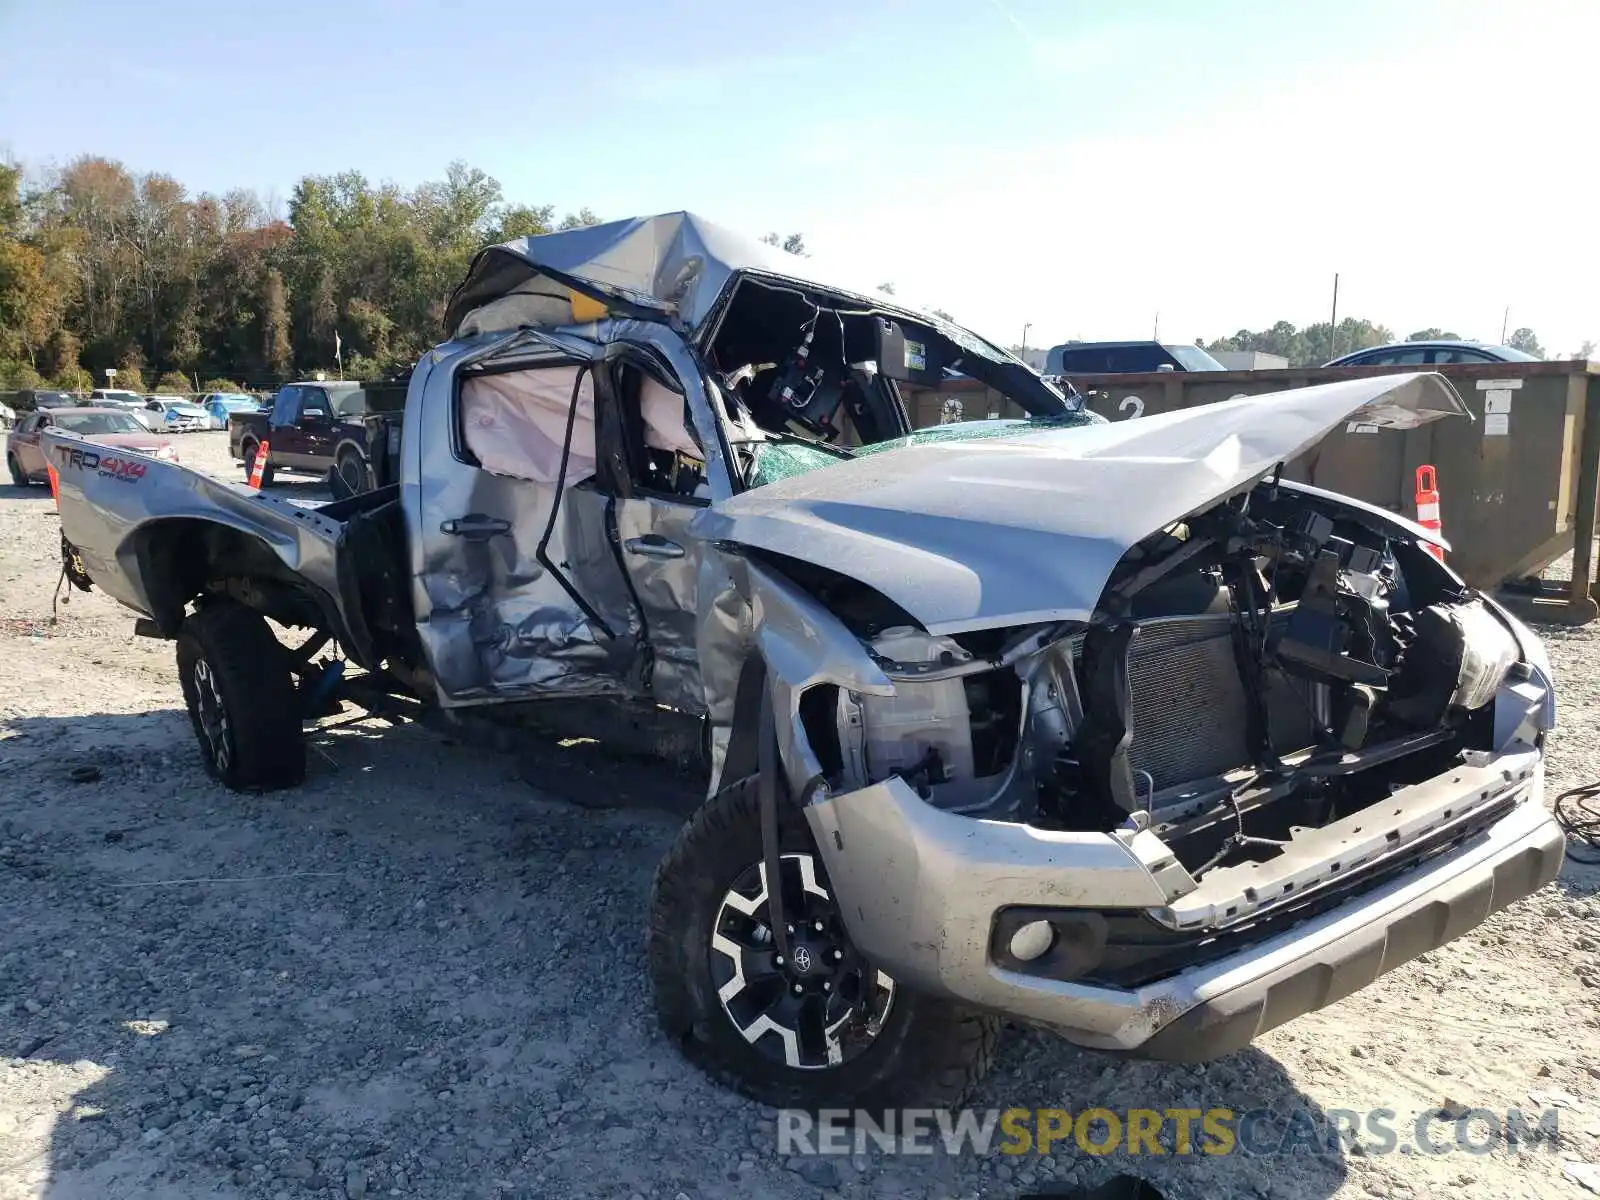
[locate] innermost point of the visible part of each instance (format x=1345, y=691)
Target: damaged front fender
x=756, y=617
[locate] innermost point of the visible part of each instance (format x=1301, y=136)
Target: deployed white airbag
x=516, y=422
x=664, y=424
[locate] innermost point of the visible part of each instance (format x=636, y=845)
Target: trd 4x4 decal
x=110, y=465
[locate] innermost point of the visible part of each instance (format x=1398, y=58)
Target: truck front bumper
x=921, y=890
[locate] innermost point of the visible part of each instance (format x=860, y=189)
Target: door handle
x=475, y=527
x=653, y=545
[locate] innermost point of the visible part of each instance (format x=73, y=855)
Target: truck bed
x=143, y=525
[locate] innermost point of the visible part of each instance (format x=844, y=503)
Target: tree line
x=1321, y=342
x=103, y=267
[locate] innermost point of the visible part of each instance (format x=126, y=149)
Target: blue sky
x=1080, y=166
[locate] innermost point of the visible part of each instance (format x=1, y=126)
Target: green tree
x=130, y=375
x=101, y=266
x=520, y=221
x=174, y=381
x=886, y=288
x=1311, y=346
x=1523, y=339
x=14, y=373
x=60, y=357
x=34, y=290
x=578, y=220
x=1432, y=335
x=359, y=366
x=794, y=243
x=453, y=212
x=277, y=352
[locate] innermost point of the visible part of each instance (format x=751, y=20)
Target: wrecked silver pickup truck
x=1106, y=727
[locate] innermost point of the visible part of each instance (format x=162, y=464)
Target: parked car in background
x=8, y=415
x=1408, y=354
x=179, y=415
x=108, y=426
x=131, y=403
x=219, y=404
x=30, y=399
x=1126, y=358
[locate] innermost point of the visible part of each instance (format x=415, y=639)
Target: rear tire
x=924, y=1051
x=241, y=699
x=352, y=471
x=19, y=477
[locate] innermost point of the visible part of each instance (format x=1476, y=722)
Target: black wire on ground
x=1578, y=814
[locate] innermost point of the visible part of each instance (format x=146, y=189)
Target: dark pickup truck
x=334, y=429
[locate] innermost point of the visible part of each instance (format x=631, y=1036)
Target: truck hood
x=1029, y=527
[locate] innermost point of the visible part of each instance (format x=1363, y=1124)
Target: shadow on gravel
x=36, y=491
x=416, y=975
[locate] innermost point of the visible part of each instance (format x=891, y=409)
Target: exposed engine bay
x=1273, y=664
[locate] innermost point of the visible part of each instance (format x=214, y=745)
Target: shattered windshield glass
x=775, y=460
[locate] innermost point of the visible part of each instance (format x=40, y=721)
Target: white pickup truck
x=1103, y=727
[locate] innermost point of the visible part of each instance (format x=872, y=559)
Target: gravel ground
x=417, y=976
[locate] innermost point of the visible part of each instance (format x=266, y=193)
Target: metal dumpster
x=1517, y=485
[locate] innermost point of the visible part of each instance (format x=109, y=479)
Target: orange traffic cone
x=258, y=467
x=1428, y=507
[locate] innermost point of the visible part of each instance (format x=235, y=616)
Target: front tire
x=19, y=477
x=241, y=699
x=771, y=1031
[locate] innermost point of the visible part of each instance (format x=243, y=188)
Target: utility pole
x=1333, y=321
x=1505, y=324
x=1155, y=334
x=1024, y=355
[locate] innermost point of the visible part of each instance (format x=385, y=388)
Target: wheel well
x=184, y=558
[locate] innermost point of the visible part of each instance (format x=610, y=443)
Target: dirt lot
x=417, y=976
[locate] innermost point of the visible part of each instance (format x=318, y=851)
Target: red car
x=111, y=426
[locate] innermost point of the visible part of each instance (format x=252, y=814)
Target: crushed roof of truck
x=672, y=264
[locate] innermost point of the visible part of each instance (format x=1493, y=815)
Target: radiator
x=1189, y=712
